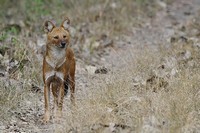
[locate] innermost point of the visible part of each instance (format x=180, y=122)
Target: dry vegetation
x=141, y=99
x=156, y=91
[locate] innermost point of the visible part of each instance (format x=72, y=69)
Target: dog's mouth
x=62, y=45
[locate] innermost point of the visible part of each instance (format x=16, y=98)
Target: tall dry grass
x=120, y=104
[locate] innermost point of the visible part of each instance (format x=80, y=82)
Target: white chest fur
x=57, y=57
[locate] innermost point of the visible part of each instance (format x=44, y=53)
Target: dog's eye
x=55, y=37
x=64, y=36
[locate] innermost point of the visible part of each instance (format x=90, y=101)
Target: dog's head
x=57, y=36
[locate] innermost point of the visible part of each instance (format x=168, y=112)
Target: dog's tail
x=66, y=85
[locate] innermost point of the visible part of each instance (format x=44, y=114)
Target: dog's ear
x=48, y=26
x=65, y=24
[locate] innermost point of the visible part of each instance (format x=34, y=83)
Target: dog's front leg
x=47, y=102
x=60, y=99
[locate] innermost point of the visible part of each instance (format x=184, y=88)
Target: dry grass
x=119, y=102
x=20, y=73
x=132, y=100
x=18, y=30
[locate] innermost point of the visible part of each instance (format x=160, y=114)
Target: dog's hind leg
x=66, y=86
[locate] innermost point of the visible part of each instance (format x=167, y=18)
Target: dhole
x=58, y=66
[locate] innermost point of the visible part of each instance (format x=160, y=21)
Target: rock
x=94, y=45
x=167, y=68
x=101, y=70
x=24, y=123
x=13, y=63
x=2, y=127
x=174, y=71
x=114, y=5
x=107, y=43
x=91, y=69
x=187, y=55
x=195, y=41
x=161, y=3
x=183, y=39
x=16, y=130
x=184, y=55
x=112, y=127
x=197, y=45
x=109, y=110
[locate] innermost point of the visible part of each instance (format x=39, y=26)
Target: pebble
x=91, y=69
x=2, y=127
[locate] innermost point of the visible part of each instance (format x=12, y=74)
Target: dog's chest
x=55, y=59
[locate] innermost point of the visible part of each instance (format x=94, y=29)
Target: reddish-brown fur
x=58, y=66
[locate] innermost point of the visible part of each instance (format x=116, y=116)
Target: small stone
x=161, y=3
x=110, y=110
x=24, y=123
x=108, y=43
x=11, y=127
x=91, y=69
x=2, y=127
x=112, y=127
x=187, y=55
x=197, y=45
x=102, y=70
x=183, y=39
x=95, y=45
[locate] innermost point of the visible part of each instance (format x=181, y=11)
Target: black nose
x=63, y=44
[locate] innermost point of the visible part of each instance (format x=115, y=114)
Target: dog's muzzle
x=63, y=44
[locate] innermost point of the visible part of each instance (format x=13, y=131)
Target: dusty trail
x=155, y=32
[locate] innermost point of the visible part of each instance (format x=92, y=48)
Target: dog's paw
x=46, y=118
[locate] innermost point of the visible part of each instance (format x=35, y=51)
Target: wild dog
x=58, y=66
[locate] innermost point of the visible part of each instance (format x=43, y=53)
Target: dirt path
x=151, y=35
x=155, y=32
